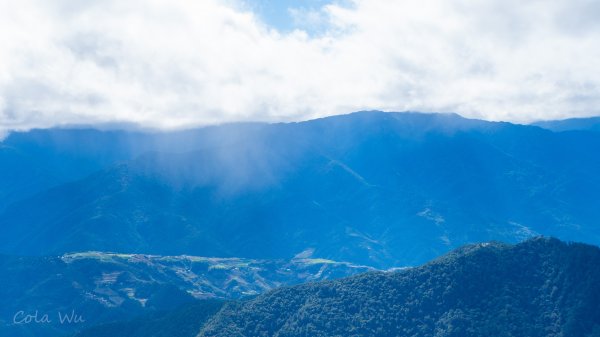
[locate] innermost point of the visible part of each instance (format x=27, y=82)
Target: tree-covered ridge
x=542, y=287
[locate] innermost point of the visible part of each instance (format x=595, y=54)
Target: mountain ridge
x=539, y=287
x=542, y=287
x=352, y=187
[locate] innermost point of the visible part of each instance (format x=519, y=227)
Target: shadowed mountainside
x=380, y=189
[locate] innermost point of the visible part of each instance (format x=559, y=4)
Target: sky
x=184, y=63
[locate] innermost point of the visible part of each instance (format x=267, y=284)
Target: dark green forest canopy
x=542, y=287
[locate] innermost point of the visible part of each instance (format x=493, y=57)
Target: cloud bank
x=165, y=63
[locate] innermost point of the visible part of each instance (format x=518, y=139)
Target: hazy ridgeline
x=381, y=189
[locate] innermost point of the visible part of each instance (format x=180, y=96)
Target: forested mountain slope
x=542, y=287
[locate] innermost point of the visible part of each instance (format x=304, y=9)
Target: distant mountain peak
x=571, y=124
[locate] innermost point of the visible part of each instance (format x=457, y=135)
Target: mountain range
x=171, y=233
x=541, y=287
x=370, y=188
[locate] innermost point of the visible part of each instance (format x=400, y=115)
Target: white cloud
x=173, y=63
